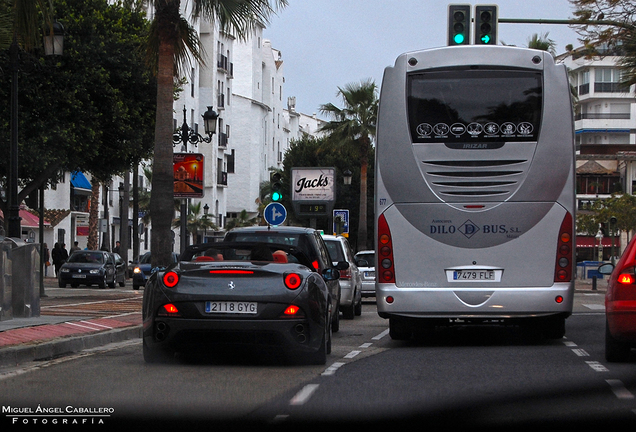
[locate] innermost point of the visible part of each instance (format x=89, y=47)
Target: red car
x=620, y=306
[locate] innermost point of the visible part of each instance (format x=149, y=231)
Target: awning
x=80, y=183
x=589, y=241
x=29, y=220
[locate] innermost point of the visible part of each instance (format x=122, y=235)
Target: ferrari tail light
x=293, y=280
x=170, y=279
x=386, y=273
x=291, y=310
x=168, y=310
x=565, y=251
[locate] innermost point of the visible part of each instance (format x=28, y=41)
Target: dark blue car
x=143, y=270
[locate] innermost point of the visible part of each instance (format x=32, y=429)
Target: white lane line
x=303, y=396
x=88, y=326
x=381, y=335
x=619, y=389
x=366, y=345
x=598, y=367
x=595, y=306
x=352, y=354
x=333, y=368
x=580, y=352
x=569, y=344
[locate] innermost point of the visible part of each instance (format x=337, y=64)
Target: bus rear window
x=474, y=105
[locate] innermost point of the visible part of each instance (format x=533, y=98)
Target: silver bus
x=475, y=197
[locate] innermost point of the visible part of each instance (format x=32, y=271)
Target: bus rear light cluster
x=386, y=273
x=565, y=251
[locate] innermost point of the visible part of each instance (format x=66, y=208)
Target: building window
x=584, y=82
x=606, y=80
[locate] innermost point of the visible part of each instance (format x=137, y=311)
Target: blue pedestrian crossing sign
x=275, y=213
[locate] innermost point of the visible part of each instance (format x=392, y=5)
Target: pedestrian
x=64, y=253
x=47, y=258
x=75, y=247
x=117, y=245
x=56, y=255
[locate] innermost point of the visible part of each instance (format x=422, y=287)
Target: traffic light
x=486, y=21
x=276, y=186
x=459, y=24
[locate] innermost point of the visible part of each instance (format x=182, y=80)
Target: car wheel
x=358, y=309
x=335, y=322
x=615, y=350
x=102, y=283
x=399, y=329
x=61, y=284
x=122, y=283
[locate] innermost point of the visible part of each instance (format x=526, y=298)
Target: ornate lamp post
x=53, y=45
x=187, y=135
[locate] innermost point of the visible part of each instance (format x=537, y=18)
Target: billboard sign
x=188, y=175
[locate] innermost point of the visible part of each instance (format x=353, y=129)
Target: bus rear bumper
x=474, y=303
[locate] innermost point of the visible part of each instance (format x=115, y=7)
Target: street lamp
x=53, y=45
x=347, y=175
x=206, y=210
x=187, y=135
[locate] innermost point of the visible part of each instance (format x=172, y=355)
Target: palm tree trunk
x=93, y=216
x=161, y=199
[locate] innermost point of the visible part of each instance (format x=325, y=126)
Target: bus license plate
x=476, y=275
x=231, y=307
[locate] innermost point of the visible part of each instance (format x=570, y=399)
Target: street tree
x=91, y=110
x=354, y=125
x=172, y=44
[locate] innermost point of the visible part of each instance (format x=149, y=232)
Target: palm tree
x=172, y=42
x=242, y=220
x=543, y=43
x=355, y=125
x=195, y=221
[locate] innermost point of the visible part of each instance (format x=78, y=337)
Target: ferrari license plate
x=231, y=307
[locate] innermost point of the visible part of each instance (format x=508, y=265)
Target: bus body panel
x=456, y=203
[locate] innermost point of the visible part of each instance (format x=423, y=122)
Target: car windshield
x=92, y=258
x=145, y=259
x=335, y=250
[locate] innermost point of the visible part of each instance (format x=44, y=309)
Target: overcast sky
x=326, y=44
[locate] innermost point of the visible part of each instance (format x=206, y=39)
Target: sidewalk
x=72, y=320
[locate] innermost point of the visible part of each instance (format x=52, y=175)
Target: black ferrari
x=227, y=294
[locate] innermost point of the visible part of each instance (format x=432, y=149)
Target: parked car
x=310, y=242
x=86, y=267
x=143, y=270
x=238, y=294
x=350, y=282
x=365, y=260
x=620, y=305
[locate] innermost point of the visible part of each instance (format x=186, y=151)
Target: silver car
x=365, y=260
x=350, y=282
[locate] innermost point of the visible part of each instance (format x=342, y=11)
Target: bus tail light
x=565, y=251
x=385, y=269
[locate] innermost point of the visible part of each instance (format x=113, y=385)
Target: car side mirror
x=342, y=265
x=606, y=269
x=362, y=263
x=331, y=274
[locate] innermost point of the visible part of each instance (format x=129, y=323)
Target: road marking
x=619, y=389
x=303, y=396
x=333, y=368
x=366, y=345
x=381, y=335
x=594, y=306
x=569, y=344
x=598, y=367
x=580, y=352
x=352, y=354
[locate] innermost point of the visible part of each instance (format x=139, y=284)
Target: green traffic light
x=485, y=39
x=458, y=38
x=276, y=196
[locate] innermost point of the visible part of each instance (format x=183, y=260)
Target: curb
x=15, y=356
